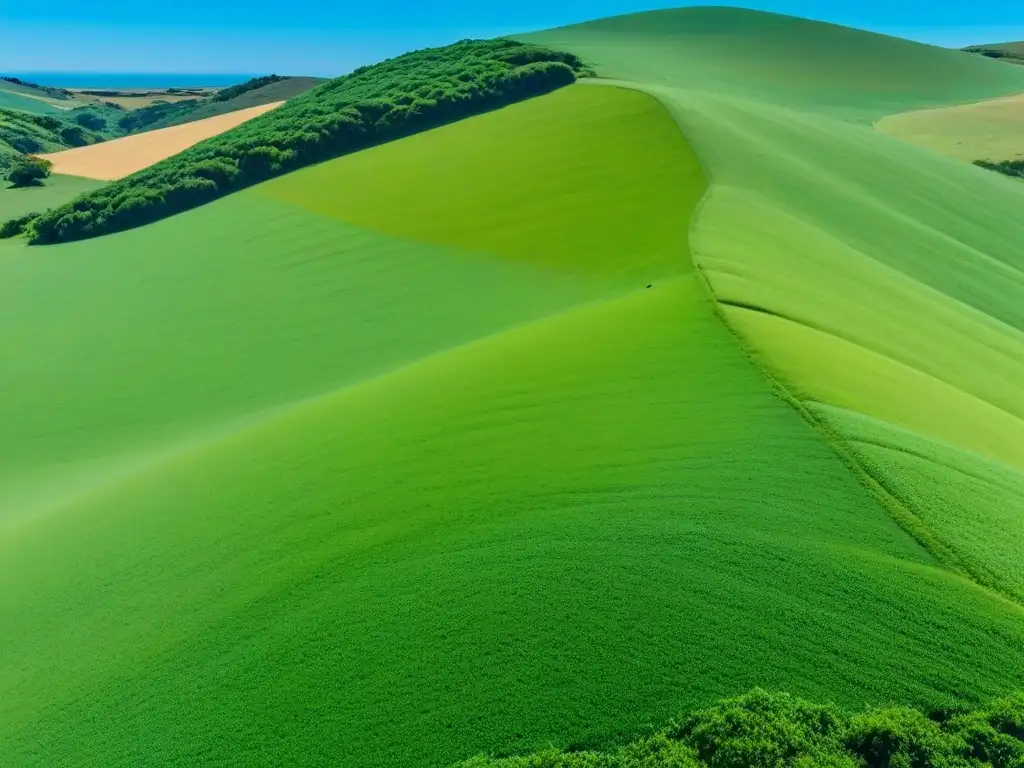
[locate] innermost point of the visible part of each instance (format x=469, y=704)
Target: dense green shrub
x=15, y=227
x=29, y=171
x=1009, y=167
x=780, y=731
x=371, y=105
x=226, y=94
x=761, y=730
x=91, y=120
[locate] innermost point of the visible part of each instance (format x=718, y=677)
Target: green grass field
x=442, y=448
x=876, y=279
x=57, y=190
x=11, y=97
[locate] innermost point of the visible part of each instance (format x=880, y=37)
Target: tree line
x=373, y=104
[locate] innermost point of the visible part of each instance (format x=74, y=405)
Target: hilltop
x=527, y=395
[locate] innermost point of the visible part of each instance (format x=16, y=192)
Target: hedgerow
x=776, y=730
x=373, y=104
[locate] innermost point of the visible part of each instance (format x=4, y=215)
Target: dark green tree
x=29, y=172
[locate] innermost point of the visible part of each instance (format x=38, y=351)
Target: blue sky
x=319, y=38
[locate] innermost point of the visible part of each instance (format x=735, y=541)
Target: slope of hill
x=839, y=254
x=511, y=413
x=163, y=115
x=442, y=447
x=273, y=93
x=126, y=155
x=16, y=99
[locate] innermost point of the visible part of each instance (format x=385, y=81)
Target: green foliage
x=762, y=730
x=226, y=94
x=1014, y=168
x=22, y=133
x=16, y=226
x=91, y=120
x=29, y=171
x=776, y=730
x=374, y=104
x=155, y=115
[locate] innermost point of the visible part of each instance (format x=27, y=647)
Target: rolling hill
x=535, y=428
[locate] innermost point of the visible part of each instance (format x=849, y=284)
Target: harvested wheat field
x=123, y=157
x=985, y=130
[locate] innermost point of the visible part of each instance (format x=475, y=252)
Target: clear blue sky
x=325, y=38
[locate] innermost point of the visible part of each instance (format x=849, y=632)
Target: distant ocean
x=129, y=79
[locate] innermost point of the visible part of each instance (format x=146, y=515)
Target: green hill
x=840, y=276
x=14, y=98
x=443, y=448
x=1011, y=53
x=165, y=114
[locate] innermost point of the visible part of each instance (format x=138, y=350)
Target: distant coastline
x=130, y=79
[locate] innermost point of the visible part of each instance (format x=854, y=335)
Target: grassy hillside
x=783, y=61
x=281, y=90
x=372, y=105
x=23, y=133
x=12, y=97
x=882, y=283
x=1010, y=53
x=253, y=93
x=57, y=190
x=318, y=471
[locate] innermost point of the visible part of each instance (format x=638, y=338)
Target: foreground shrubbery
x=373, y=104
x=766, y=730
x=1009, y=167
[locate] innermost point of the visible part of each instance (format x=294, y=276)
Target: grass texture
x=317, y=473
x=56, y=190
x=881, y=281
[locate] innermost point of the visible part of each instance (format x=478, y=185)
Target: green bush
x=395, y=98
x=91, y=120
x=29, y=172
x=18, y=226
x=780, y=731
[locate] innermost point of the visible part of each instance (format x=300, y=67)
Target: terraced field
x=444, y=448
